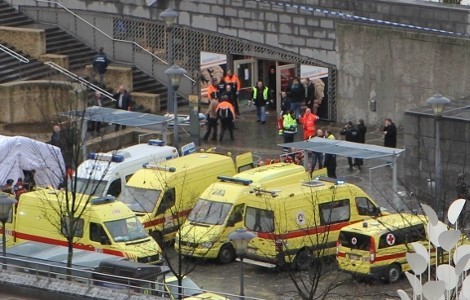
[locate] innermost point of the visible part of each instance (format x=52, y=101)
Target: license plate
x=354, y=257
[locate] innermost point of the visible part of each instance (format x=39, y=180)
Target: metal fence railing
x=89, y=278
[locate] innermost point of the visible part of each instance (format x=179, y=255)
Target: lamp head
x=6, y=203
x=240, y=239
x=437, y=103
x=175, y=73
x=169, y=16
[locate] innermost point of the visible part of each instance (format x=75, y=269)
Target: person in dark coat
x=352, y=134
x=296, y=92
x=362, y=129
x=390, y=134
x=123, y=101
x=100, y=65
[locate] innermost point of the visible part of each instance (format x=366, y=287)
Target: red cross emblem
x=390, y=239
x=354, y=241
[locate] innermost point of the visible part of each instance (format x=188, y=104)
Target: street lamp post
x=6, y=203
x=174, y=74
x=240, y=240
x=437, y=103
x=169, y=16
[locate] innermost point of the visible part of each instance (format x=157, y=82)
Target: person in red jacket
x=308, y=122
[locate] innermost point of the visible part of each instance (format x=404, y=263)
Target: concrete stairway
x=11, y=69
x=11, y=17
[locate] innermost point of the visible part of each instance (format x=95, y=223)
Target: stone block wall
x=59, y=59
x=114, y=77
x=149, y=101
x=39, y=100
x=29, y=40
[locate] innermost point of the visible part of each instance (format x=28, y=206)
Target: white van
x=105, y=174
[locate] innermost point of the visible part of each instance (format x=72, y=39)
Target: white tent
x=19, y=153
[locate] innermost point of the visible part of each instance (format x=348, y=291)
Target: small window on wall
x=335, y=212
x=168, y=201
x=75, y=228
x=365, y=207
x=259, y=220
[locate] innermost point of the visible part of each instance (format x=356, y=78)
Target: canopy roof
x=121, y=117
x=343, y=148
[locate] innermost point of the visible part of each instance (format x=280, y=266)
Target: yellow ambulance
x=299, y=222
x=162, y=195
x=219, y=210
x=104, y=225
x=377, y=248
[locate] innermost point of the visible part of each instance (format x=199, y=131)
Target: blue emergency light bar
x=158, y=167
x=102, y=200
x=156, y=142
x=235, y=180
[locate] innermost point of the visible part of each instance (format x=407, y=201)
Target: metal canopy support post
x=306, y=160
x=83, y=135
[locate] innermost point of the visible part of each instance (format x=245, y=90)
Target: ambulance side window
x=335, y=212
x=259, y=220
x=115, y=188
x=365, y=207
x=237, y=215
x=97, y=234
x=403, y=236
x=65, y=227
x=168, y=201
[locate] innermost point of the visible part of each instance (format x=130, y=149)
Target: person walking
x=352, y=134
x=260, y=97
x=296, y=92
x=233, y=81
x=308, y=123
x=226, y=114
x=100, y=65
x=123, y=101
x=390, y=134
x=212, y=120
x=330, y=159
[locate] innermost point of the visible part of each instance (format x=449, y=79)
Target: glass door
x=246, y=70
x=284, y=76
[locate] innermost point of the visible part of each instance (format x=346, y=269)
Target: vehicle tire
x=303, y=260
x=226, y=254
x=393, y=273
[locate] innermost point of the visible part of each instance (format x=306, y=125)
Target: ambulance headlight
x=207, y=245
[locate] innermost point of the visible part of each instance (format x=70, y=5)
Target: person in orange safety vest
x=308, y=122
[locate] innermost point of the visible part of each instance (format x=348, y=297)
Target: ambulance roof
x=386, y=223
x=102, y=165
x=268, y=172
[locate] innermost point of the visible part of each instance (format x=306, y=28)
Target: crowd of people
x=21, y=185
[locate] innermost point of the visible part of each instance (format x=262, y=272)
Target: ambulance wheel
x=393, y=273
x=303, y=260
x=226, y=254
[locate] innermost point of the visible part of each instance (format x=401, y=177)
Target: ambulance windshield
x=138, y=199
x=126, y=230
x=89, y=186
x=209, y=212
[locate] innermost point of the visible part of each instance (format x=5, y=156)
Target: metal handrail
x=110, y=37
x=83, y=274
x=80, y=79
x=14, y=54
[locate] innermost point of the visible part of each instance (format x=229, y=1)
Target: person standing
x=309, y=93
x=212, y=119
x=290, y=126
x=330, y=159
x=317, y=156
x=296, y=92
x=8, y=187
x=308, y=122
x=352, y=134
x=95, y=125
x=19, y=188
x=213, y=90
x=390, y=134
x=55, y=137
x=260, y=97
x=363, y=130
x=273, y=87
x=233, y=81
x=123, y=101
x=226, y=113
x=100, y=65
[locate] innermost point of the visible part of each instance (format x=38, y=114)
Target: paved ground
x=262, y=140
